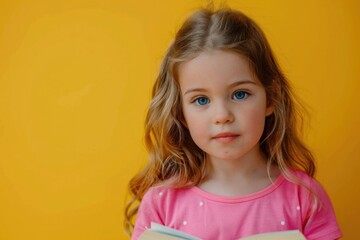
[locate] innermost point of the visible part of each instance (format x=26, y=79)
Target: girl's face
x=224, y=104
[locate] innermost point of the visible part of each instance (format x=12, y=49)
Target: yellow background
x=75, y=81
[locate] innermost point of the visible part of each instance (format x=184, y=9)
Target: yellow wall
x=75, y=80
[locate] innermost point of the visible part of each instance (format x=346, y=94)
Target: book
x=160, y=232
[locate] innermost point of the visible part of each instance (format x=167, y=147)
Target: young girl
x=226, y=159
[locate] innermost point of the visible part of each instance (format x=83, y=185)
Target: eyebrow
x=237, y=83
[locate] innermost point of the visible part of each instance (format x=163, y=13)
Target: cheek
x=255, y=121
x=191, y=117
x=194, y=123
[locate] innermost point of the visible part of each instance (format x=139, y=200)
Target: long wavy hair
x=174, y=158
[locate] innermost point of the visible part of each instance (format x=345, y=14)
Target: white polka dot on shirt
x=201, y=204
x=184, y=222
x=282, y=223
x=298, y=208
x=160, y=193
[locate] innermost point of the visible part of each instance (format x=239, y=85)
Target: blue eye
x=202, y=101
x=240, y=95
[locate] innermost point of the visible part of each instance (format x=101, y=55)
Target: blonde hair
x=175, y=159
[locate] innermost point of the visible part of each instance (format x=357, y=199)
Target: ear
x=269, y=109
x=183, y=121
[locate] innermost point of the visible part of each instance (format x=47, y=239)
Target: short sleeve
x=148, y=212
x=321, y=224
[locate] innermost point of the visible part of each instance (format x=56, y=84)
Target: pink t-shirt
x=281, y=206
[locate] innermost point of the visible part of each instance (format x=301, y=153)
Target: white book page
x=285, y=235
x=172, y=232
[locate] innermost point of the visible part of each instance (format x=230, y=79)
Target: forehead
x=214, y=65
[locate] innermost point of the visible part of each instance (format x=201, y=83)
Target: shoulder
x=302, y=180
x=307, y=183
x=163, y=190
x=156, y=201
x=163, y=194
x=155, y=207
x=319, y=218
x=308, y=190
x=303, y=176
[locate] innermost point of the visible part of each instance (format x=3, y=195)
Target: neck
x=238, y=177
x=246, y=166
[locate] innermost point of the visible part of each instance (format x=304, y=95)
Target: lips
x=225, y=137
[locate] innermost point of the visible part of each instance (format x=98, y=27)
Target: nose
x=222, y=114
